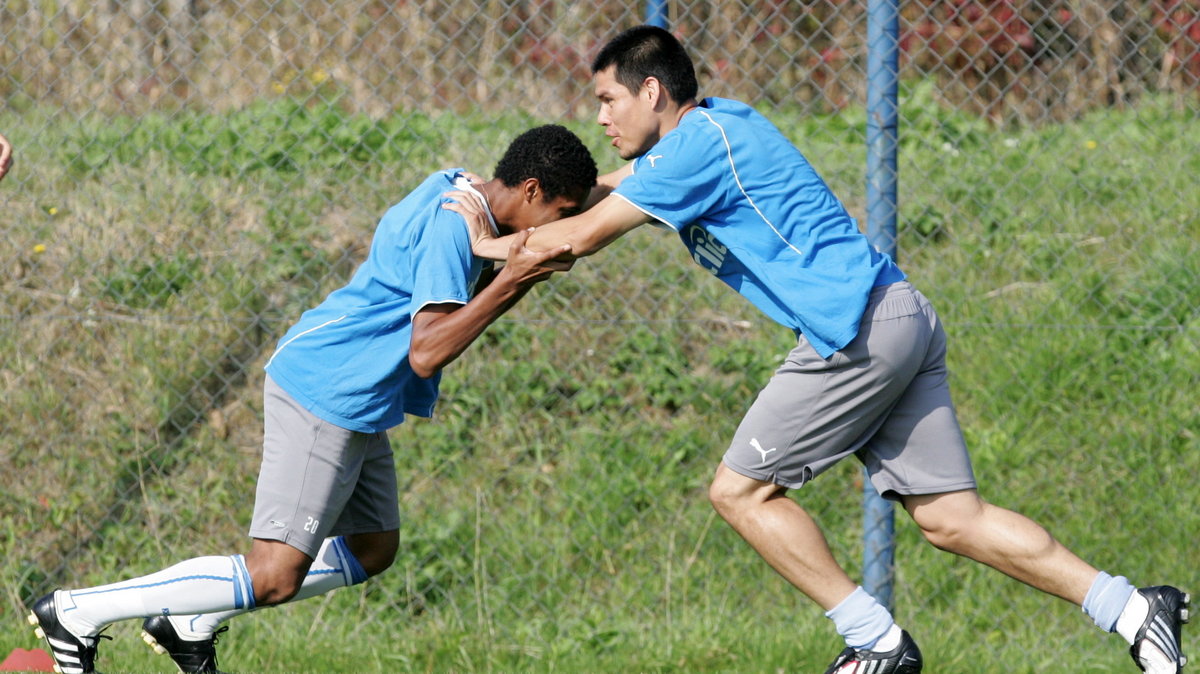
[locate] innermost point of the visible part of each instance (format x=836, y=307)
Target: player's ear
x=531, y=188
x=652, y=89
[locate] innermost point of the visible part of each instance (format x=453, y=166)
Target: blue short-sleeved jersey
x=751, y=210
x=346, y=360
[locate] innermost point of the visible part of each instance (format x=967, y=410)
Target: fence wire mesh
x=191, y=174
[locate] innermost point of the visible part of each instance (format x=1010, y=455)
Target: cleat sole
x=41, y=634
x=153, y=643
x=1184, y=615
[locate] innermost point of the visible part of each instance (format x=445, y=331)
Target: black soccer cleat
x=72, y=654
x=903, y=659
x=1164, y=622
x=189, y=656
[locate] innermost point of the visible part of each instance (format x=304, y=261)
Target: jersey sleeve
x=441, y=261
x=680, y=179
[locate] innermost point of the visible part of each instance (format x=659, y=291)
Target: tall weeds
x=1033, y=61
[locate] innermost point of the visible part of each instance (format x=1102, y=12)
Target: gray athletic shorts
x=319, y=480
x=884, y=398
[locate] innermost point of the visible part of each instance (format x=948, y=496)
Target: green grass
x=555, y=510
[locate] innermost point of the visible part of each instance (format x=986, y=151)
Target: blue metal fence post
x=656, y=13
x=883, y=20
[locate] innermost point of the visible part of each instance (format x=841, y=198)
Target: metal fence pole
x=656, y=13
x=879, y=545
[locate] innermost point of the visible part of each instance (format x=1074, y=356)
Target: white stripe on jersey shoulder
x=454, y=300
x=655, y=220
x=738, y=180
x=284, y=345
x=463, y=184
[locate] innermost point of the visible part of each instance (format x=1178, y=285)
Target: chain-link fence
x=191, y=174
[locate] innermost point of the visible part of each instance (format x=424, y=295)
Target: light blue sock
x=860, y=619
x=1106, y=599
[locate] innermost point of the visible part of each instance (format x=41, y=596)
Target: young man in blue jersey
x=326, y=513
x=867, y=377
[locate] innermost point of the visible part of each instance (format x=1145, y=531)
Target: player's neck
x=683, y=109
x=496, y=198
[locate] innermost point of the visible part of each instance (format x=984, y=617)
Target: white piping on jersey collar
x=462, y=183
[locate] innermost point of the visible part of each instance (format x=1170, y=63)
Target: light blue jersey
x=751, y=210
x=346, y=360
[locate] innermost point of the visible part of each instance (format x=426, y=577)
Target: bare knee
x=375, y=552
x=947, y=535
x=947, y=521
x=721, y=497
x=377, y=563
x=276, y=570
x=731, y=493
x=274, y=584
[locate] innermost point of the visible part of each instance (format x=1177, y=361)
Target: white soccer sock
x=197, y=585
x=335, y=566
x=1132, y=616
x=890, y=640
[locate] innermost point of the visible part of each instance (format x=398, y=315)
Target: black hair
x=649, y=51
x=553, y=155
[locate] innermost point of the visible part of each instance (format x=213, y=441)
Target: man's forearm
x=543, y=238
x=492, y=248
x=606, y=183
x=446, y=338
x=586, y=233
x=441, y=332
x=574, y=231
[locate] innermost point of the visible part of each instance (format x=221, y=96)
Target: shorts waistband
x=892, y=301
x=879, y=292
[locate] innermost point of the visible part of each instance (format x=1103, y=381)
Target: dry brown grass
x=379, y=57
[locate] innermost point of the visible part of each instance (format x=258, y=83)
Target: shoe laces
x=96, y=639
x=90, y=649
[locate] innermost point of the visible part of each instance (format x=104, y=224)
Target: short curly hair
x=553, y=155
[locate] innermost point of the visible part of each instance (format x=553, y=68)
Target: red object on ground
x=21, y=660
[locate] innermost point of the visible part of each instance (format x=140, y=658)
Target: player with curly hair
x=326, y=513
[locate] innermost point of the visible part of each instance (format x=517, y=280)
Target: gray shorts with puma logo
x=884, y=398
